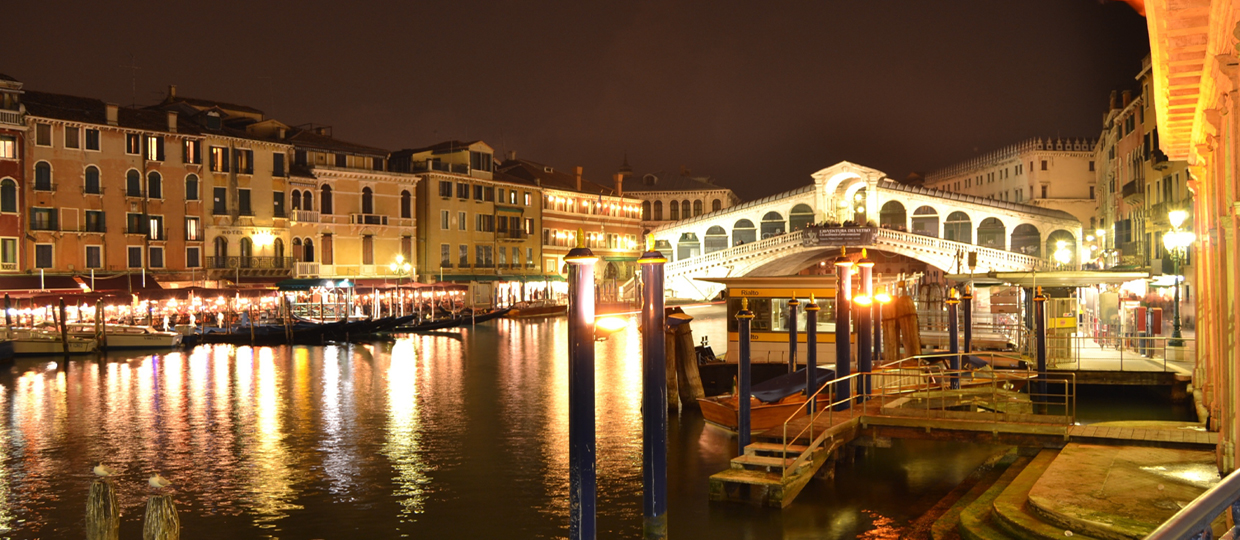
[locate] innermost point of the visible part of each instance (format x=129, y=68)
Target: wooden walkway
x=759, y=475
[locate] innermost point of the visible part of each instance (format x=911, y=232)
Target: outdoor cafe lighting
x=862, y=300
x=881, y=296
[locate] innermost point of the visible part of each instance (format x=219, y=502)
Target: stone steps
x=1013, y=513
x=947, y=525
x=976, y=521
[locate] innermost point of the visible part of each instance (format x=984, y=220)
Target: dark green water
x=460, y=434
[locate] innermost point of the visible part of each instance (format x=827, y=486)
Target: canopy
x=127, y=283
x=305, y=284
x=32, y=285
x=786, y=385
x=1069, y=278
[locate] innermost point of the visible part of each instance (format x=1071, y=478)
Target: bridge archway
x=688, y=246
x=893, y=215
x=1060, y=235
x=958, y=227
x=716, y=239
x=743, y=232
x=1027, y=240
x=772, y=225
x=800, y=217
x=992, y=234
x=926, y=221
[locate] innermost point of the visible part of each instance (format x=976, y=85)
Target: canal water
x=456, y=434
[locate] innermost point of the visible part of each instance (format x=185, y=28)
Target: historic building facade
x=609, y=219
x=107, y=189
x=12, y=173
x=1195, y=91
x=1051, y=173
x=667, y=197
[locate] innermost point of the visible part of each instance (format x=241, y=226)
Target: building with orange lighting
x=12, y=173
x=609, y=220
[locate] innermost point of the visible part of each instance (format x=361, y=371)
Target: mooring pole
x=811, y=352
x=744, y=318
x=953, y=342
x=1039, y=315
x=865, y=316
x=8, y=307
x=654, y=396
x=792, y=333
x=966, y=304
x=582, y=482
x=843, y=345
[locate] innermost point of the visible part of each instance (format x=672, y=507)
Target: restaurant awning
x=127, y=283
x=305, y=284
x=32, y=285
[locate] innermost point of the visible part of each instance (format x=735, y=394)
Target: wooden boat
x=771, y=404
x=123, y=336
x=528, y=310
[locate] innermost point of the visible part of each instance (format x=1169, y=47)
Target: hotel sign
x=839, y=236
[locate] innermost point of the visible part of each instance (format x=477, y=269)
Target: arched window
x=716, y=239
x=247, y=252
x=685, y=209
x=191, y=187
x=325, y=200
x=406, y=204
x=133, y=183
x=645, y=210
x=92, y=181
x=307, y=200
x=772, y=225
x=743, y=232
x=154, y=185
x=308, y=249
x=673, y=211
x=368, y=200
x=277, y=250
x=801, y=216
x=296, y=200
x=716, y=205
x=893, y=216
x=297, y=254
x=658, y=211
x=8, y=196
x=697, y=208
x=221, y=253
x=42, y=176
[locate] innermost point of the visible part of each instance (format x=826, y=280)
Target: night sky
x=758, y=95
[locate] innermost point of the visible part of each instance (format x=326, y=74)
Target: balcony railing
x=306, y=269
x=250, y=262
x=368, y=219
x=1134, y=190
x=305, y=216
x=512, y=235
x=10, y=117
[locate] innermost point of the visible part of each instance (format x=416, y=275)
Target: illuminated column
x=582, y=481
x=843, y=356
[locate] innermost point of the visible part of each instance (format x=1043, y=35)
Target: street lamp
x=1062, y=254
x=1177, y=243
x=400, y=268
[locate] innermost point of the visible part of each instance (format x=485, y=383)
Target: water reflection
x=457, y=434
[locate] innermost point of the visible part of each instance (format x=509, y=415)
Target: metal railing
x=894, y=382
x=249, y=262
x=1193, y=521
x=1119, y=352
x=305, y=216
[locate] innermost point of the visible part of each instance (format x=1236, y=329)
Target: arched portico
x=893, y=215
x=992, y=234
x=1026, y=240
x=926, y=221
x=716, y=239
x=958, y=227
x=800, y=217
x=773, y=225
x=743, y=232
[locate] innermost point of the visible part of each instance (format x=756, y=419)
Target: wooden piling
x=8, y=317
x=253, y=322
x=161, y=521
x=64, y=331
x=100, y=334
x=669, y=347
x=689, y=382
x=103, y=515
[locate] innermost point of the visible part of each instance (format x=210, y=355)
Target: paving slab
x=1120, y=491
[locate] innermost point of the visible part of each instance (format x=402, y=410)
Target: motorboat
x=38, y=342
x=123, y=336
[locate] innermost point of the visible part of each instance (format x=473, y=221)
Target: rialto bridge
x=772, y=236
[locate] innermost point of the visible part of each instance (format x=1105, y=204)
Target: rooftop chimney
x=172, y=121
x=577, y=170
x=1127, y=97
x=172, y=91
x=619, y=185
x=113, y=111
x=1113, y=100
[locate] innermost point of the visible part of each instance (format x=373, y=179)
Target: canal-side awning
x=33, y=285
x=305, y=284
x=1067, y=278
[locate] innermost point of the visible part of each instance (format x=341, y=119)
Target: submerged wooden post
x=689, y=382
x=103, y=515
x=64, y=331
x=161, y=521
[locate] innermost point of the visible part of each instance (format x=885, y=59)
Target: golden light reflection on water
x=269, y=467
x=403, y=441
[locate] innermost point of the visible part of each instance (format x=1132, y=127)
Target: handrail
x=1195, y=518
x=927, y=381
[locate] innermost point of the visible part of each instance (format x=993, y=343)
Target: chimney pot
x=172, y=91
x=113, y=113
x=577, y=170
x=1127, y=97
x=619, y=185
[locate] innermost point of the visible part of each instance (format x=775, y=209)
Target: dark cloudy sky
x=757, y=94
